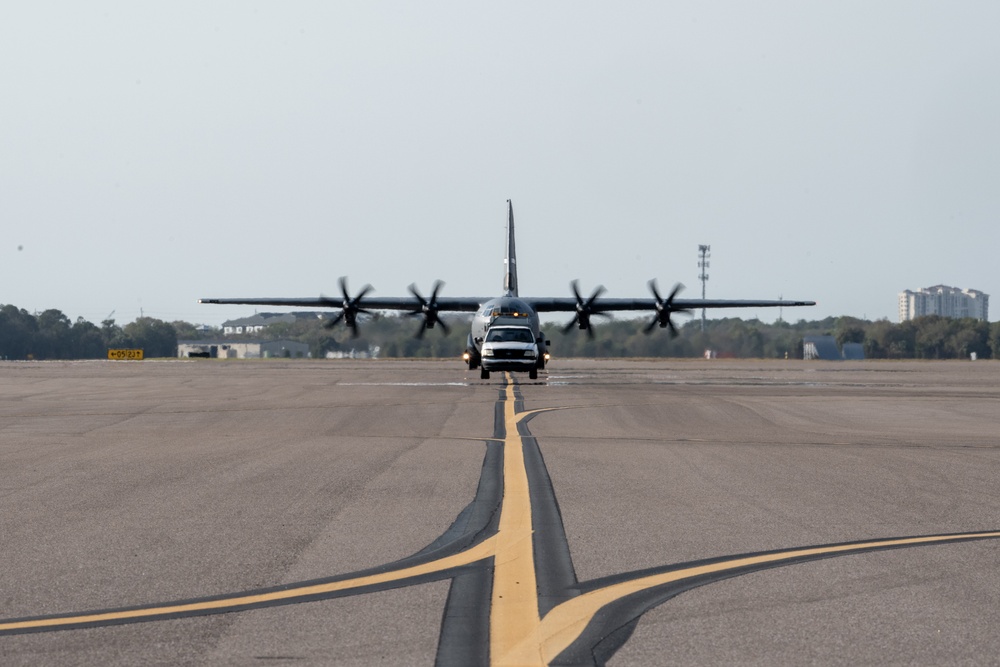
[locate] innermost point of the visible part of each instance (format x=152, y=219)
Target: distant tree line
x=51, y=335
x=930, y=337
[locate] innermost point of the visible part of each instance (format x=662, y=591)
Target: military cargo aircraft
x=508, y=311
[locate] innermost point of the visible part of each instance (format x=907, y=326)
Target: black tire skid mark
x=614, y=623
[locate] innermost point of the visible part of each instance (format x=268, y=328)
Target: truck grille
x=508, y=354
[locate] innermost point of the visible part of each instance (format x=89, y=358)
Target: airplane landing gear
x=473, y=360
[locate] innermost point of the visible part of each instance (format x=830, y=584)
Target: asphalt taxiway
x=406, y=512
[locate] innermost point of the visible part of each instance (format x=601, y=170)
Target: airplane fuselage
x=503, y=310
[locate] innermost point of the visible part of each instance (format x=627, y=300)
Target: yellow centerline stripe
x=514, y=616
x=477, y=552
x=567, y=621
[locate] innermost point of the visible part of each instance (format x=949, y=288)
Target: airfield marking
x=529, y=566
x=248, y=601
x=514, y=614
x=565, y=623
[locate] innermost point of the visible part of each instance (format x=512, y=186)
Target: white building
x=255, y=323
x=260, y=321
x=242, y=349
x=944, y=301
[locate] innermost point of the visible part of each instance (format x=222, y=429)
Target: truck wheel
x=484, y=374
x=533, y=374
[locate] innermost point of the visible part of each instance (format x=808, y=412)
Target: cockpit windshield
x=510, y=308
x=508, y=336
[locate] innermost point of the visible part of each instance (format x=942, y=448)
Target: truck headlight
x=487, y=351
x=530, y=354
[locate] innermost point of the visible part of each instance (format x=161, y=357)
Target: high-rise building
x=944, y=301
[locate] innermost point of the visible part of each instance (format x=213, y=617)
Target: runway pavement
x=406, y=512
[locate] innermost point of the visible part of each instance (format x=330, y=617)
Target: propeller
x=584, y=309
x=428, y=309
x=349, y=308
x=664, y=309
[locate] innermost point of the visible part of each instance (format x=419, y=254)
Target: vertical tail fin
x=510, y=261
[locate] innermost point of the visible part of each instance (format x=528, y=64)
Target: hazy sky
x=155, y=153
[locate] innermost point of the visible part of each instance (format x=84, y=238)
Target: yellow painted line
x=564, y=623
x=477, y=552
x=538, y=411
x=514, y=616
x=515, y=544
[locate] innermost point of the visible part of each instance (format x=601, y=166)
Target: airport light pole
x=703, y=255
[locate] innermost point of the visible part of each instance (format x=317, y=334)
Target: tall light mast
x=704, y=252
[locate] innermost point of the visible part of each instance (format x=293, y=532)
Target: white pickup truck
x=509, y=348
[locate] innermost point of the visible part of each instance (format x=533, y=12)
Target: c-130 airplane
x=505, y=333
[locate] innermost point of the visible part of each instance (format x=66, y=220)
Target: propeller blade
x=428, y=309
x=664, y=309
x=332, y=322
x=349, y=307
x=656, y=292
x=415, y=293
x=598, y=291
x=677, y=288
x=584, y=309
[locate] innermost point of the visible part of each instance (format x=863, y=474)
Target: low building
x=944, y=301
x=242, y=349
x=853, y=351
x=825, y=348
x=260, y=321
x=820, y=347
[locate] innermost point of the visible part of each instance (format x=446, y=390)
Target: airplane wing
x=584, y=309
x=539, y=304
x=446, y=304
x=595, y=304
x=569, y=305
x=417, y=305
x=362, y=303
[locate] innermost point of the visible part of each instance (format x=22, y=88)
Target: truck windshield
x=508, y=336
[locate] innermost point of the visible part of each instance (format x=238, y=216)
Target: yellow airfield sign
x=125, y=355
